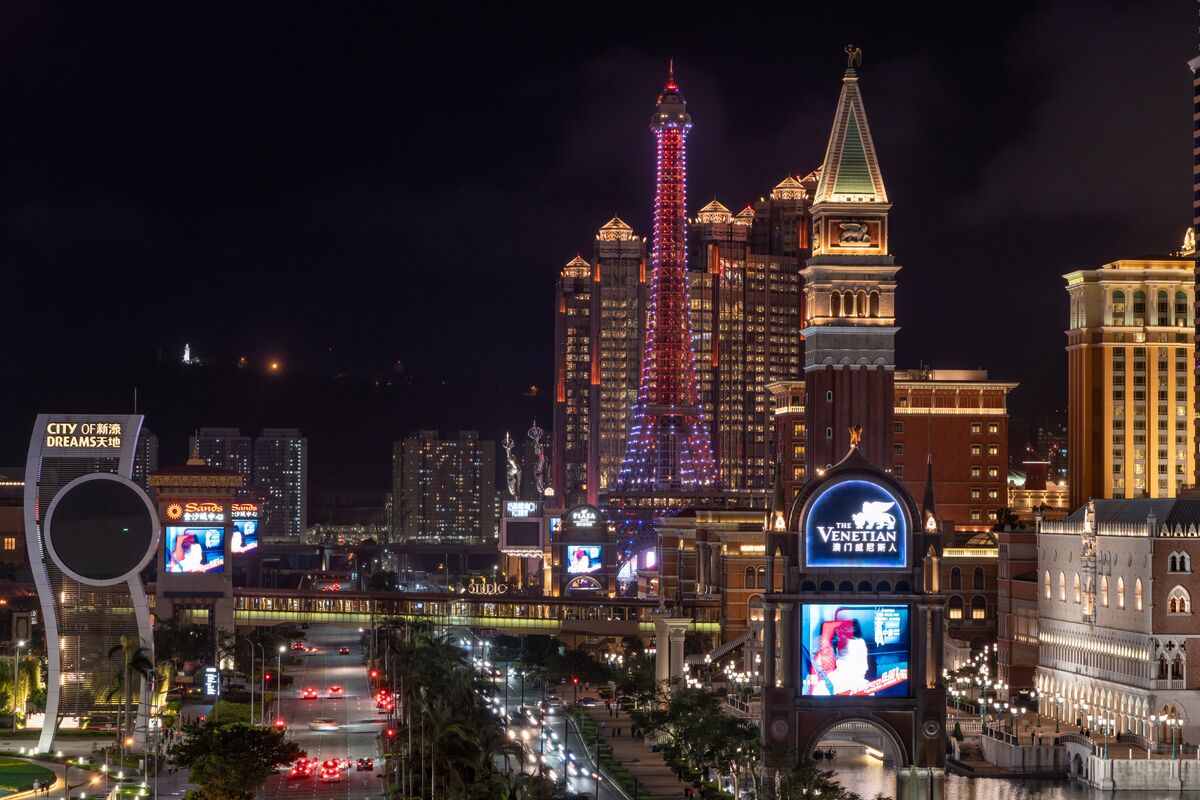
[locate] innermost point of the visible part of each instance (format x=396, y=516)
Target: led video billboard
x=583, y=558
x=195, y=549
x=854, y=650
x=857, y=524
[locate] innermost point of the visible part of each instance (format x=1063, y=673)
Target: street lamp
x=16, y=680
x=278, y=677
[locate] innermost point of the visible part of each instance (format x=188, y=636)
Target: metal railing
x=594, y=753
x=1074, y=738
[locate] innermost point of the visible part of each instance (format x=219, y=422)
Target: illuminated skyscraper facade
x=1130, y=352
x=573, y=338
x=225, y=448
x=669, y=441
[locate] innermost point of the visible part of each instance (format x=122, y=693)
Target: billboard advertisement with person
x=583, y=558
x=195, y=549
x=854, y=650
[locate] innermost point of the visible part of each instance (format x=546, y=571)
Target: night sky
x=344, y=188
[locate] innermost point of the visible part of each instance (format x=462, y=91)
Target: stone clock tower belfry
x=849, y=292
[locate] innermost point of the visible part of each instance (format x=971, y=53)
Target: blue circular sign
x=856, y=524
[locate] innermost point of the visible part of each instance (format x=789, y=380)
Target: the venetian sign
x=856, y=524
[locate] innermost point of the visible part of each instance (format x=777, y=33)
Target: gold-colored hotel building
x=1130, y=351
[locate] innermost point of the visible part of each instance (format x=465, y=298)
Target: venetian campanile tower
x=849, y=291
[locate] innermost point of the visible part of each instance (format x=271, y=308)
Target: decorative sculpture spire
x=928, y=505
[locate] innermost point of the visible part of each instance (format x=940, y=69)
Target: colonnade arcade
x=1072, y=699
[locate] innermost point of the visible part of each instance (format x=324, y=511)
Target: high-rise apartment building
x=1130, y=353
x=225, y=448
x=444, y=488
x=145, y=458
x=281, y=474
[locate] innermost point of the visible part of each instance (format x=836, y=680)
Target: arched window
x=1181, y=309
x=750, y=578
x=762, y=577
x=845, y=586
x=956, y=578
x=1177, y=669
x=1179, y=601
x=1062, y=587
x=978, y=607
x=883, y=586
x=1118, y=308
x=862, y=304
x=1120, y=592
x=1137, y=595
x=1078, y=597
x=835, y=304
x=755, y=605
x=1139, y=308
x=977, y=578
x=1104, y=591
x=1047, y=584
x=955, y=607
x=1164, y=308
x=848, y=305
x=1163, y=669
x=1185, y=562
x=1173, y=563
x=865, y=586
x=874, y=304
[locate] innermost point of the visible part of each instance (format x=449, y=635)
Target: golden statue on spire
x=855, y=435
x=853, y=56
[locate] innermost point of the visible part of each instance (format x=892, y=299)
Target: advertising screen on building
x=523, y=533
x=856, y=524
x=583, y=558
x=245, y=535
x=195, y=549
x=854, y=650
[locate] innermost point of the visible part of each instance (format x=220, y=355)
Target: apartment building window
x=898, y=470
x=993, y=428
x=993, y=449
x=976, y=471
x=976, y=514
x=993, y=494
x=977, y=578
x=898, y=427
x=976, y=427
x=993, y=472
x=976, y=493
x=1118, y=308
x=898, y=448
x=976, y=449
x=10, y=543
x=956, y=578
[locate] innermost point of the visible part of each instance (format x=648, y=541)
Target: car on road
x=343, y=651
x=297, y=646
x=331, y=771
x=323, y=724
x=365, y=765
x=337, y=691
x=309, y=693
x=553, y=701
x=586, y=701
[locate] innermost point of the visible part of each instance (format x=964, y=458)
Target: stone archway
x=894, y=748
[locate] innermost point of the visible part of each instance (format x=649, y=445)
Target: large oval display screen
x=856, y=524
x=101, y=529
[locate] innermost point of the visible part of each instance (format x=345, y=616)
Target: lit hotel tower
x=669, y=447
x=849, y=295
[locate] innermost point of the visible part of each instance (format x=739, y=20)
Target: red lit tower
x=669, y=446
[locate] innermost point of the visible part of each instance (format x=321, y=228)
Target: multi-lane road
x=355, y=738
x=320, y=670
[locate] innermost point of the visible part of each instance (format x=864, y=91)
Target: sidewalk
x=653, y=775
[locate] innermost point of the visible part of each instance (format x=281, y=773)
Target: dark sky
x=345, y=187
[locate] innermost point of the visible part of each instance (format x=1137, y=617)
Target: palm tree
x=137, y=662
